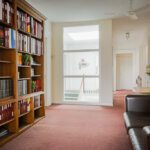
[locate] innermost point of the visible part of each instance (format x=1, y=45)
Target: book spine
x=6, y=112
x=6, y=88
x=1, y=10
x=2, y=37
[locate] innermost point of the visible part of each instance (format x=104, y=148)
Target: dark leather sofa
x=137, y=120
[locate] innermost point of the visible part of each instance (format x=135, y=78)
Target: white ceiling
x=83, y=10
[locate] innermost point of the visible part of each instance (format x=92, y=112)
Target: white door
x=124, y=69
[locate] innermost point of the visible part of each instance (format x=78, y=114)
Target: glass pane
x=81, y=89
x=72, y=88
x=81, y=63
x=91, y=90
x=81, y=38
x=91, y=85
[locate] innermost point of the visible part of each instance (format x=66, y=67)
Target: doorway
x=124, y=71
x=81, y=64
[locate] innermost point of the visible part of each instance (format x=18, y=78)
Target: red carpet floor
x=74, y=127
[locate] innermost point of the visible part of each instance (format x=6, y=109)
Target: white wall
x=47, y=62
x=137, y=44
x=106, y=62
x=106, y=72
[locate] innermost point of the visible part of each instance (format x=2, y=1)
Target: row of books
x=23, y=42
x=3, y=132
x=6, y=12
x=30, y=45
x=6, y=112
x=36, y=47
x=28, y=24
x=24, y=106
x=36, y=85
x=22, y=87
x=6, y=88
x=7, y=37
x=37, y=101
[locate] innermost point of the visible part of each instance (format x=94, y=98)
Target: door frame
x=134, y=60
x=63, y=101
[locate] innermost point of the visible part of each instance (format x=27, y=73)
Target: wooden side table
x=141, y=90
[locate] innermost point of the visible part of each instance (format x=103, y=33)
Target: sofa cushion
x=138, y=103
x=136, y=120
x=136, y=138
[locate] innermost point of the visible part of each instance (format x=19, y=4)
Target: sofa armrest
x=146, y=137
x=137, y=103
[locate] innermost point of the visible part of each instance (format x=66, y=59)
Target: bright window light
x=83, y=36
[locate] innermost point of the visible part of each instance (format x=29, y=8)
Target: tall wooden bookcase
x=25, y=112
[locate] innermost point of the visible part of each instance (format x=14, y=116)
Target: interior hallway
x=74, y=127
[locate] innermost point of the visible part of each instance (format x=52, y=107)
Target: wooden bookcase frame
x=11, y=64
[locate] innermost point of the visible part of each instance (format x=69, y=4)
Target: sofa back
x=138, y=103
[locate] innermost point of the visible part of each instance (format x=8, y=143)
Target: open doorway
x=124, y=71
x=81, y=64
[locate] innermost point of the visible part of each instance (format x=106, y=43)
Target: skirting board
x=80, y=103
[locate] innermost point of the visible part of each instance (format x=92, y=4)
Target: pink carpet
x=74, y=127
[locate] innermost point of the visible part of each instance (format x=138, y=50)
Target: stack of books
x=6, y=88
x=24, y=106
x=37, y=101
x=6, y=12
x=23, y=42
x=7, y=37
x=6, y=112
x=3, y=132
x=22, y=87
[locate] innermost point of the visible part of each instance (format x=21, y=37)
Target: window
x=81, y=63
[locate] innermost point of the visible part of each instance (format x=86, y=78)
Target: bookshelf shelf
x=5, y=77
x=24, y=52
x=30, y=95
x=35, y=54
x=24, y=32
x=35, y=64
x=23, y=79
x=36, y=37
x=29, y=34
x=6, y=122
x=7, y=100
x=24, y=66
x=5, y=62
x=21, y=115
x=25, y=26
x=37, y=107
x=38, y=119
x=6, y=24
x=6, y=48
x=24, y=127
x=35, y=76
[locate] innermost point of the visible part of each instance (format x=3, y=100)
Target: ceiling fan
x=132, y=13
